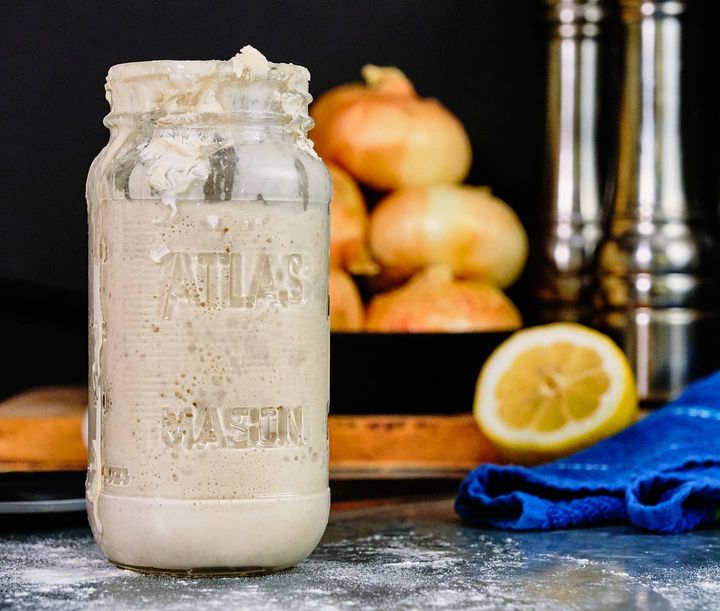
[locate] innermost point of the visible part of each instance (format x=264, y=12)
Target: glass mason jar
x=209, y=339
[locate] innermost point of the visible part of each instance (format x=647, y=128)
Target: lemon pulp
x=550, y=390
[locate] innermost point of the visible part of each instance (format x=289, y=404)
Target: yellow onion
x=476, y=234
x=346, y=308
x=433, y=301
x=348, y=225
x=387, y=136
x=323, y=110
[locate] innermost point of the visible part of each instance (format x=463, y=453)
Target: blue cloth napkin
x=661, y=474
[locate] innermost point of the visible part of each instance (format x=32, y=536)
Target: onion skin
x=385, y=280
x=346, y=308
x=434, y=302
x=387, y=136
x=324, y=109
x=466, y=228
x=348, y=225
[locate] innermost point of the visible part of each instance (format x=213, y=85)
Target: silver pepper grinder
x=572, y=223
x=658, y=275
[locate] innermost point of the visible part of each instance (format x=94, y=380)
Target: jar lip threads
x=186, y=87
x=248, y=64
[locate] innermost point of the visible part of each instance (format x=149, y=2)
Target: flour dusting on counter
x=413, y=557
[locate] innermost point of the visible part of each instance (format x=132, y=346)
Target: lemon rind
x=618, y=405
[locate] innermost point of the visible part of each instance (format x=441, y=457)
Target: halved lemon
x=551, y=390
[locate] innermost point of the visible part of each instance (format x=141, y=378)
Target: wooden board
x=40, y=430
x=406, y=446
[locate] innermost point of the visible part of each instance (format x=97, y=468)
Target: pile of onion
x=475, y=234
x=435, y=254
x=434, y=301
x=387, y=136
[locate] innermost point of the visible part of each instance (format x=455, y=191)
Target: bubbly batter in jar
x=209, y=344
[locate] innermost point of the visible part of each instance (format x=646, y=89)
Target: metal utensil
x=572, y=223
x=658, y=280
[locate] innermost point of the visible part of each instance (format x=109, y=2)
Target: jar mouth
x=199, y=69
x=245, y=83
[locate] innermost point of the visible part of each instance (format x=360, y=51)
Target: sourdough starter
x=209, y=372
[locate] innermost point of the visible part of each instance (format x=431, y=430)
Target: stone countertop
x=407, y=556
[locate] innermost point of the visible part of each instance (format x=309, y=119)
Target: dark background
x=485, y=59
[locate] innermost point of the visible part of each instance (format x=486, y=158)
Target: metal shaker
x=657, y=279
x=572, y=225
